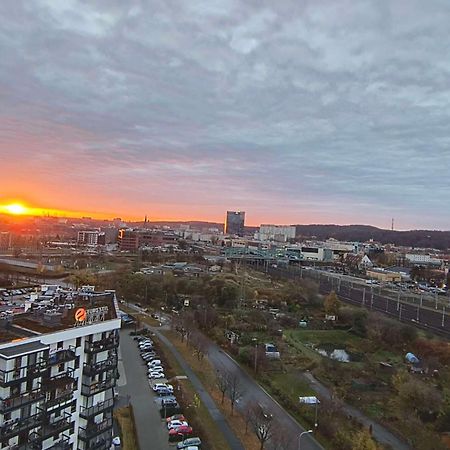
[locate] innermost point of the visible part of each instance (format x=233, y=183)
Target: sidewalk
x=230, y=437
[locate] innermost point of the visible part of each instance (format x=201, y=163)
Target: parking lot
x=149, y=425
x=134, y=385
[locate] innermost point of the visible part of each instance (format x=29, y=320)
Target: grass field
x=125, y=419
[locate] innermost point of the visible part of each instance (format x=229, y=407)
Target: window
x=61, y=367
x=78, y=344
x=59, y=345
x=77, y=362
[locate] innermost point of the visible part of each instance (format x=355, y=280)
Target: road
x=253, y=392
x=133, y=384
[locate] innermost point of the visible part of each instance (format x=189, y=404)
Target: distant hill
x=361, y=233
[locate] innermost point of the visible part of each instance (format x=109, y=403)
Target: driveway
x=133, y=386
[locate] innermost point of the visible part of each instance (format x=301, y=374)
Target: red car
x=177, y=434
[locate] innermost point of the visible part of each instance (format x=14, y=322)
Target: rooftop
x=56, y=312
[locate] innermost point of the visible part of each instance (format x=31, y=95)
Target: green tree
x=331, y=304
x=362, y=440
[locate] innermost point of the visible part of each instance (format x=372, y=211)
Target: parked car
x=154, y=362
x=163, y=385
x=189, y=442
x=176, y=417
x=168, y=402
x=156, y=375
x=177, y=434
x=176, y=424
x=163, y=392
x=156, y=369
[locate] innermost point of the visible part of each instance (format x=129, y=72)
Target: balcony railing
x=96, y=409
x=52, y=428
x=62, y=444
x=26, y=398
x=60, y=381
x=60, y=397
x=19, y=374
x=91, y=431
x=13, y=428
x=95, y=368
x=100, y=386
x=102, y=345
x=62, y=355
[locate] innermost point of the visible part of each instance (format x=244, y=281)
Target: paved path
x=380, y=433
x=233, y=441
x=150, y=428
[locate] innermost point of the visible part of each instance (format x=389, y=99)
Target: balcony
x=62, y=355
x=102, y=345
x=62, y=444
x=61, y=381
x=52, y=428
x=12, y=428
x=92, y=431
x=86, y=413
x=18, y=401
x=20, y=374
x=97, y=387
x=59, y=398
x=95, y=368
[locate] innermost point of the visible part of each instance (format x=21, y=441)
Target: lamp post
x=256, y=354
x=300, y=437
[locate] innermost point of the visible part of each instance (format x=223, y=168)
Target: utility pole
x=443, y=317
x=256, y=354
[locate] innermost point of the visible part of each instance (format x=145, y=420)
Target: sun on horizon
x=15, y=209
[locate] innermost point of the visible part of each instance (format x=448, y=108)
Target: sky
x=294, y=111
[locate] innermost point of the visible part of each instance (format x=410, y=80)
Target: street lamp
x=256, y=353
x=300, y=437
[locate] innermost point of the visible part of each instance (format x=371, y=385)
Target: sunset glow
x=16, y=209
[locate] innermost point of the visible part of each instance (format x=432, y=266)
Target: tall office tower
x=235, y=223
x=58, y=369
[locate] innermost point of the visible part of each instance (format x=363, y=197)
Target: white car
x=158, y=386
x=156, y=375
x=156, y=369
x=176, y=424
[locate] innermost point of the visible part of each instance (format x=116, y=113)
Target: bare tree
x=281, y=438
x=200, y=344
x=222, y=380
x=263, y=424
x=234, y=390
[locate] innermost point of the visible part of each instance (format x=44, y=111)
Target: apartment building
x=58, y=369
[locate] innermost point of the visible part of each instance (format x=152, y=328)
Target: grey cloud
x=340, y=107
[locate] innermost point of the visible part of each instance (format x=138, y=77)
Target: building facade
x=279, y=233
x=57, y=384
x=235, y=223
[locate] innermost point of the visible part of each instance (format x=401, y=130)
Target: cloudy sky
x=294, y=111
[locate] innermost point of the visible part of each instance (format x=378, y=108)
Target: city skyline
x=293, y=113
